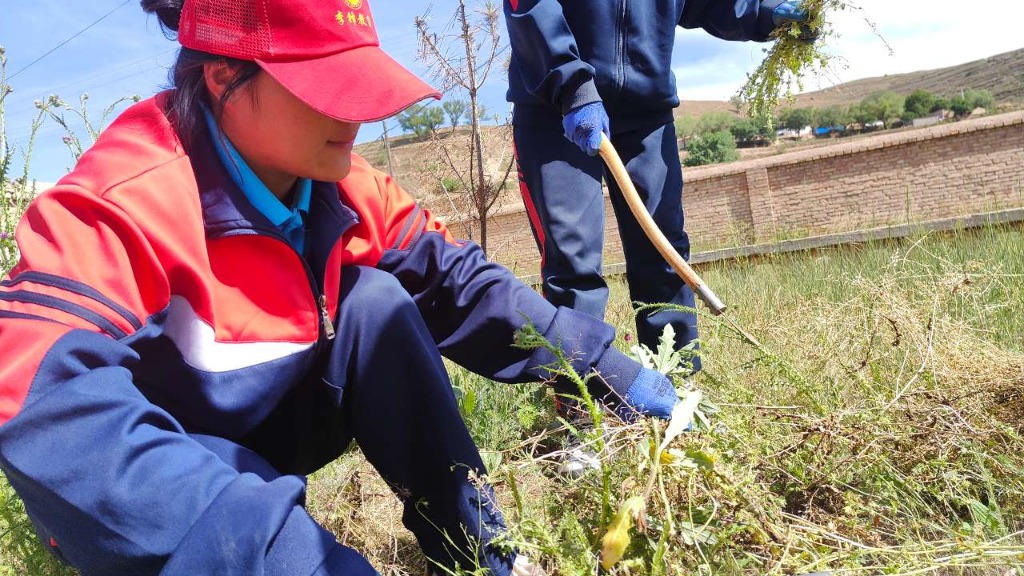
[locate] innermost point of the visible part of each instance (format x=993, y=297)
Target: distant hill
x=1002, y=75
x=418, y=166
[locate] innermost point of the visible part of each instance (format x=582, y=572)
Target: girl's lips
x=341, y=144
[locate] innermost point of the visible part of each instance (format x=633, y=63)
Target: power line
x=19, y=103
x=27, y=104
x=76, y=35
x=381, y=134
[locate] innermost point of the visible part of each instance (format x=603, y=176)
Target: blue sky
x=125, y=53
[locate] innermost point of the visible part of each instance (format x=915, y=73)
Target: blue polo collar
x=289, y=220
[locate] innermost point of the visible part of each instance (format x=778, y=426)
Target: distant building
x=829, y=131
x=933, y=118
x=926, y=120
x=790, y=134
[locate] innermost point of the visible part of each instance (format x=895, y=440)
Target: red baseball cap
x=325, y=52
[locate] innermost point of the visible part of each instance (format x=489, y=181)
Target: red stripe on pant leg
x=515, y=4
x=531, y=210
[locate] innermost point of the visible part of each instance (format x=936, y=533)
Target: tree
x=939, y=104
x=766, y=127
x=686, y=128
x=979, y=98
x=421, y=120
x=464, y=59
x=886, y=106
x=796, y=118
x=715, y=122
x=752, y=130
x=744, y=131
x=918, y=104
x=433, y=117
x=832, y=116
x=455, y=110
x=737, y=103
x=481, y=112
x=960, y=106
x=711, y=148
x=968, y=100
x=862, y=114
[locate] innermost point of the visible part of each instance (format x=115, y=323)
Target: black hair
x=187, y=77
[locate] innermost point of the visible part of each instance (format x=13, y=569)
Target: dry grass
x=879, y=431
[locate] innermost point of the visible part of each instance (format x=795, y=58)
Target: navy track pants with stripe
x=383, y=384
x=561, y=187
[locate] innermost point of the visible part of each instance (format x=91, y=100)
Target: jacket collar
x=226, y=209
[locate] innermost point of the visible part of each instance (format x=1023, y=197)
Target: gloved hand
x=650, y=394
x=776, y=13
x=583, y=126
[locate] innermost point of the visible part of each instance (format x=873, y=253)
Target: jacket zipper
x=326, y=326
x=621, y=60
x=326, y=318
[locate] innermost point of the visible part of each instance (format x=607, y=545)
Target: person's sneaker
x=524, y=567
x=578, y=458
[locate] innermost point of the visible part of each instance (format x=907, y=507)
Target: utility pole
x=387, y=147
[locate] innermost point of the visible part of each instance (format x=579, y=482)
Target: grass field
x=876, y=431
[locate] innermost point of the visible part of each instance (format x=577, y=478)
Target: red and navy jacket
x=152, y=302
x=568, y=53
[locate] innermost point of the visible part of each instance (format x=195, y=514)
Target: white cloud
x=718, y=67
x=922, y=36
x=925, y=36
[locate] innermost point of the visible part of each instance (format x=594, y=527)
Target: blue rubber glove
x=783, y=12
x=650, y=394
x=583, y=126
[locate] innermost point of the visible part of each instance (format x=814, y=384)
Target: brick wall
x=910, y=176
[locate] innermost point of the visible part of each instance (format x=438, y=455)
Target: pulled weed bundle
x=789, y=59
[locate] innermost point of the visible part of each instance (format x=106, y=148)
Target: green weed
x=877, y=431
x=15, y=192
x=21, y=553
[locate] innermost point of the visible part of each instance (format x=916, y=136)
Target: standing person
x=580, y=68
x=221, y=297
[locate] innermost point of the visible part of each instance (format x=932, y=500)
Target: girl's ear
x=218, y=76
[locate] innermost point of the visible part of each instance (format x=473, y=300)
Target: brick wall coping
x=1011, y=216
x=693, y=173
x=847, y=148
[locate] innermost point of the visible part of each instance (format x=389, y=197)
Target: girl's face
x=279, y=136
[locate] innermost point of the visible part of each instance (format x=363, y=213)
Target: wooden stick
x=682, y=268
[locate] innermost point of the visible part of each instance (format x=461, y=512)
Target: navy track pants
x=561, y=187
x=383, y=384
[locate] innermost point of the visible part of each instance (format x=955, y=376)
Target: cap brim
x=359, y=85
